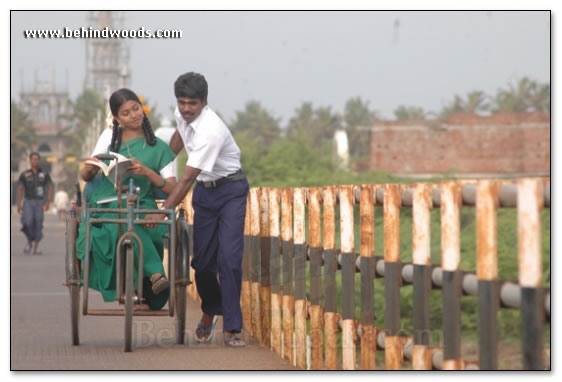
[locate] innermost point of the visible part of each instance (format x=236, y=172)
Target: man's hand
x=20, y=210
x=46, y=206
x=156, y=218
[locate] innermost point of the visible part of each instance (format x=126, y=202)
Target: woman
x=152, y=167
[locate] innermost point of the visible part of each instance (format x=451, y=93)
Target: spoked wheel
x=73, y=277
x=129, y=295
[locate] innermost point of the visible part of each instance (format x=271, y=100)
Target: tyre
x=72, y=272
x=180, y=314
x=129, y=295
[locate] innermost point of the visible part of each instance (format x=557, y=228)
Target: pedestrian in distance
x=35, y=190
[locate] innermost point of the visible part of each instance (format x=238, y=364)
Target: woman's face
x=130, y=115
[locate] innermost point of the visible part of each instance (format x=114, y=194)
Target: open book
x=122, y=162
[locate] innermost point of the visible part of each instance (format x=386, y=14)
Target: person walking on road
x=219, y=204
x=61, y=203
x=35, y=190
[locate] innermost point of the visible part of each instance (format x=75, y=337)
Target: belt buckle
x=213, y=184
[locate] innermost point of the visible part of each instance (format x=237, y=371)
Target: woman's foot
x=233, y=340
x=204, y=332
x=159, y=283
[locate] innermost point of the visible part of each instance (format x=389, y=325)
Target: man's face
x=190, y=108
x=34, y=160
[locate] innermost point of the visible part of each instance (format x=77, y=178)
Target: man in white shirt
x=219, y=203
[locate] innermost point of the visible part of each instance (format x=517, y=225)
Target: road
x=40, y=324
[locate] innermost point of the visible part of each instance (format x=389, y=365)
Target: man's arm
x=176, y=143
x=182, y=187
x=19, y=198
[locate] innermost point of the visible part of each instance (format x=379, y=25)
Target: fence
x=304, y=325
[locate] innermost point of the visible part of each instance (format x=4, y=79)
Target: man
x=219, y=203
x=33, y=185
x=61, y=203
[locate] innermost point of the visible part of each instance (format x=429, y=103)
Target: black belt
x=238, y=175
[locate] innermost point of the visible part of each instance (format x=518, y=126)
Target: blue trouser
x=218, y=246
x=32, y=219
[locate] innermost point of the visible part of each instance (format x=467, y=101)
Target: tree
x=315, y=125
x=476, y=101
x=22, y=135
x=358, y=119
x=257, y=122
x=516, y=98
x=403, y=113
x=540, y=97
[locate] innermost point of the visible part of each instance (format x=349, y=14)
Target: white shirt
x=104, y=141
x=209, y=145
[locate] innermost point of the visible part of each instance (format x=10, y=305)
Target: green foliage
x=257, y=122
x=404, y=113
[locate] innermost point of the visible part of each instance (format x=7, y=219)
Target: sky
x=282, y=59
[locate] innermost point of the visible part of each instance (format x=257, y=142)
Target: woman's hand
x=137, y=168
x=88, y=171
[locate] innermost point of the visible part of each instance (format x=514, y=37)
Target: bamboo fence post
x=392, y=277
x=330, y=268
x=529, y=204
x=487, y=272
x=367, y=266
x=265, y=250
x=255, y=262
x=300, y=276
x=316, y=314
x=452, y=278
x=288, y=301
x=421, y=216
x=348, y=276
x=274, y=233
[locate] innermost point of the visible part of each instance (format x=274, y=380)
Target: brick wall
x=503, y=143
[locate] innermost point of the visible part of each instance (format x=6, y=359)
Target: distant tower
x=48, y=108
x=107, y=59
x=341, y=149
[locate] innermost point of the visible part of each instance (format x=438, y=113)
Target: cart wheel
x=180, y=314
x=129, y=294
x=73, y=277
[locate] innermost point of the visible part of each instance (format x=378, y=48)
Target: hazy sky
x=283, y=59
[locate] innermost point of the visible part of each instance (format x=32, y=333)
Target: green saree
x=104, y=236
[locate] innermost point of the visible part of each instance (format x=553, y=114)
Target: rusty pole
x=452, y=278
x=299, y=200
x=487, y=272
x=330, y=268
x=348, y=276
x=421, y=215
x=274, y=233
x=255, y=262
x=529, y=206
x=392, y=277
x=288, y=282
x=315, y=227
x=367, y=266
x=191, y=288
x=265, y=279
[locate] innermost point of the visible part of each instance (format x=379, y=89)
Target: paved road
x=40, y=324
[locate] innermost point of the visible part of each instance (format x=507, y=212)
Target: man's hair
x=191, y=85
x=34, y=153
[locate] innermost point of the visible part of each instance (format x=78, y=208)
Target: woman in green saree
x=153, y=165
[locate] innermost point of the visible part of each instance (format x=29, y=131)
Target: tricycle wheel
x=129, y=295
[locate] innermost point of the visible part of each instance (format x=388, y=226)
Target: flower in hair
x=145, y=108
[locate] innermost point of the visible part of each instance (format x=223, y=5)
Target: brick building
x=503, y=144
